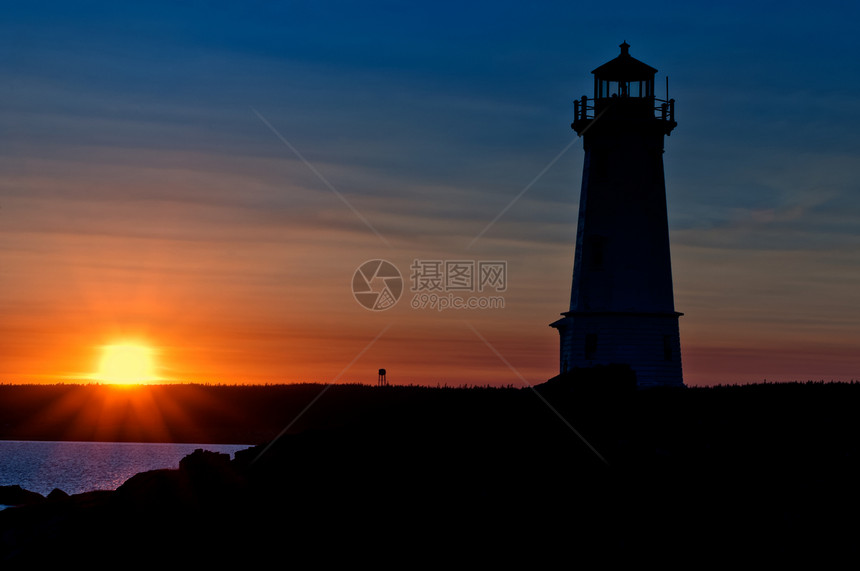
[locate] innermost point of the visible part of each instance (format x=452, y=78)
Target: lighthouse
x=622, y=309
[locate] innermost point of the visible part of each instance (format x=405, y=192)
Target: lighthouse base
x=649, y=343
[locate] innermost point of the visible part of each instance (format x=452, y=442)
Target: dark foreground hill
x=556, y=476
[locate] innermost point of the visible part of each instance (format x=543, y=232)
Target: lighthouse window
x=608, y=88
x=597, y=249
x=590, y=345
x=667, y=347
x=642, y=88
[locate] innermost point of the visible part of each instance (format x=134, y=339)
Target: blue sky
x=140, y=186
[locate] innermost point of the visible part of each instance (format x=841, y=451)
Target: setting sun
x=126, y=363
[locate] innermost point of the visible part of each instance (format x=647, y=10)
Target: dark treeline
x=251, y=414
x=565, y=473
x=199, y=413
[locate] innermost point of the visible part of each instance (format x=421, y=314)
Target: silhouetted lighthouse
x=622, y=308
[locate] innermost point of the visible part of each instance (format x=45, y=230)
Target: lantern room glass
x=606, y=88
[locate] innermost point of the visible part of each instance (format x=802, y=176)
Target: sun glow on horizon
x=127, y=363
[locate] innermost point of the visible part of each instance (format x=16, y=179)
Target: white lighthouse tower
x=622, y=308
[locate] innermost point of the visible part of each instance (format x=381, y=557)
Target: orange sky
x=232, y=295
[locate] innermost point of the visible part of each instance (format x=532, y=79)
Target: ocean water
x=76, y=467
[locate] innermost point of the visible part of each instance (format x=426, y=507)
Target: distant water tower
x=622, y=308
